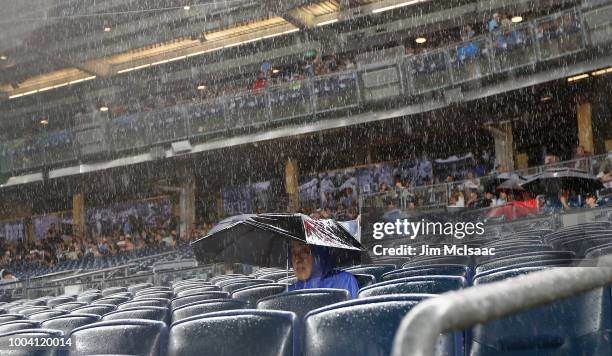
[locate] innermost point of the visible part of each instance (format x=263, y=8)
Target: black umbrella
x=263, y=240
x=554, y=180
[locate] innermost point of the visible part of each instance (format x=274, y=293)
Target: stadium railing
x=421, y=327
x=540, y=41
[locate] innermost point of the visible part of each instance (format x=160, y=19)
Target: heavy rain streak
x=306, y=178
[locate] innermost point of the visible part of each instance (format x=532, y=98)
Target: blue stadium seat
x=7, y=350
x=149, y=313
x=59, y=300
x=89, y=297
x=111, y=300
x=180, y=301
x=508, y=265
x=425, y=284
x=136, y=287
x=31, y=310
x=35, y=303
x=440, y=270
x=196, y=290
x=206, y=306
x=365, y=327
x=46, y=314
x=148, y=302
x=159, y=294
x=98, y=309
x=302, y=301
x=236, y=332
x=579, y=325
x=18, y=325
x=252, y=294
x=364, y=280
x=69, y=306
x=377, y=270
x=242, y=284
x=113, y=290
x=225, y=282
x=152, y=289
x=521, y=258
x=67, y=323
x=131, y=337
x=11, y=317
x=275, y=276
x=220, y=277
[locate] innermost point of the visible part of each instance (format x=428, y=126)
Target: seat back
x=439, y=270
x=180, y=301
x=252, y=294
x=364, y=280
x=238, y=285
x=98, y=309
x=31, y=310
x=69, y=322
x=578, y=325
x=365, y=327
x=47, y=314
x=59, y=300
x=152, y=289
x=411, y=285
x=11, y=317
x=148, y=313
x=377, y=270
x=521, y=258
x=148, y=302
x=88, y=298
x=206, y=306
x=131, y=337
x=111, y=300
x=6, y=340
x=159, y=294
x=136, y=287
x=69, y=306
x=18, y=325
x=301, y=302
x=196, y=290
x=113, y=290
x=236, y=332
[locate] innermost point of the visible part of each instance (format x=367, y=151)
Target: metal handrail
x=421, y=327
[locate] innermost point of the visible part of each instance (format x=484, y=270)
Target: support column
x=291, y=185
x=78, y=214
x=585, y=124
x=504, y=145
x=187, y=205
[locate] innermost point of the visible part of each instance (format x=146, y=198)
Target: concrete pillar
x=504, y=144
x=78, y=214
x=187, y=205
x=291, y=185
x=585, y=125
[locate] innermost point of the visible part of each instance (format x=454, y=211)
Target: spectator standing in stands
x=314, y=267
x=605, y=173
x=590, y=201
x=494, y=23
x=261, y=83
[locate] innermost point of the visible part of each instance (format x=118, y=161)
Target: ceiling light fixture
x=53, y=87
x=546, y=98
x=107, y=29
x=516, y=19
x=104, y=108
x=274, y=71
x=186, y=7
x=201, y=87
x=3, y=58
x=602, y=71
x=44, y=121
x=328, y=22
x=420, y=40
x=578, y=77
x=392, y=7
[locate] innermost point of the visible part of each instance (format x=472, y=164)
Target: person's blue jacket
x=324, y=275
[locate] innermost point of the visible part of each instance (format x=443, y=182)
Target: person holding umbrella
x=314, y=267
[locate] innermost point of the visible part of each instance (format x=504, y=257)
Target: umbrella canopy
x=511, y=185
x=514, y=210
x=554, y=180
x=264, y=240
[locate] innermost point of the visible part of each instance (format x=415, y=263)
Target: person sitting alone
x=314, y=268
